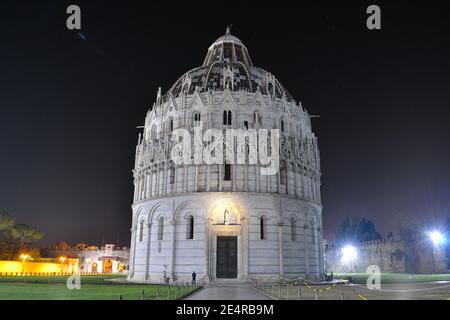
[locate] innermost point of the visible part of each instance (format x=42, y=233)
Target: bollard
x=168, y=292
x=272, y=289
x=316, y=294
x=120, y=297
x=279, y=292
x=299, y=292
x=342, y=293
x=157, y=293
x=176, y=291
x=142, y=295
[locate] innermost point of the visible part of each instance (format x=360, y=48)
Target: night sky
x=70, y=103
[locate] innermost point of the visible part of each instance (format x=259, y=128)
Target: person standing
x=194, y=277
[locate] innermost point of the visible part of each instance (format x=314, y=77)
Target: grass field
x=92, y=288
x=394, y=277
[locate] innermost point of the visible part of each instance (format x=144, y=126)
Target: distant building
x=107, y=259
x=90, y=258
x=390, y=256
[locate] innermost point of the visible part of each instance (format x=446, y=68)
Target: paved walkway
x=227, y=292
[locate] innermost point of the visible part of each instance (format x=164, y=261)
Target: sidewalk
x=227, y=292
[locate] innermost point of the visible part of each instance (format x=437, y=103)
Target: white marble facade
x=178, y=210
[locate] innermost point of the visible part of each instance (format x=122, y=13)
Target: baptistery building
x=226, y=219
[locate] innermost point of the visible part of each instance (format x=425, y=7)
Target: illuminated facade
x=107, y=259
x=226, y=220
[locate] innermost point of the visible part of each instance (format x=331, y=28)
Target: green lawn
x=92, y=288
x=395, y=277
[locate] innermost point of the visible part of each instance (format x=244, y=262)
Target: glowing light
x=437, y=237
x=348, y=253
x=25, y=257
x=62, y=259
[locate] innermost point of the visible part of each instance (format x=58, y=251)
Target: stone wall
x=390, y=256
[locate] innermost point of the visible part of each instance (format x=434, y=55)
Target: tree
x=6, y=221
x=354, y=230
x=23, y=234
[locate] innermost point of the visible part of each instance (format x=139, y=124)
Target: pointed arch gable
x=196, y=102
x=227, y=101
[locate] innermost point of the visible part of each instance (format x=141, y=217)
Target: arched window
x=282, y=172
x=172, y=175
x=197, y=119
x=262, y=228
x=227, y=120
x=190, y=228
x=282, y=126
x=293, y=229
x=170, y=128
x=161, y=228
x=270, y=89
x=256, y=118
x=141, y=230
x=227, y=172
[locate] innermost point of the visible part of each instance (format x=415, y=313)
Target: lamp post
x=62, y=259
x=348, y=254
x=24, y=258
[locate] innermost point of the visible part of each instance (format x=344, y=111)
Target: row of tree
x=17, y=238
x=354, y=230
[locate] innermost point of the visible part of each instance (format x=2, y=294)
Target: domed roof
x=228, y=37
x=228, y=66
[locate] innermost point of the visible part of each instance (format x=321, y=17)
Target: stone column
x=185, y=178
x=132, y=250
x=172, y=258
x=158, y=173
x=211, y=252
x=150, y=183
x=294, y=173
x=320, y=254
x=245, y=258
x=233, y=179
x=175, y=180
x=135, y=191
x=220, y=177
x=207, y=244
x=196, y=178
x=148, y=251
x=245, y=177
x=257, y=173
x=280, y=246
x=207, y=178
x=306, y=249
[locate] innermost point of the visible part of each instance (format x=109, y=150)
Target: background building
x=390, y=255
x=107, y=259
x=226, y=220
x=90, y=258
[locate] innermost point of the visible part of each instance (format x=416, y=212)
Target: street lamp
x=62, y=262
x=348, y=254
x=24, y=257
x=436, y=237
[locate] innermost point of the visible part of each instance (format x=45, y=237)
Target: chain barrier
x=300, y=281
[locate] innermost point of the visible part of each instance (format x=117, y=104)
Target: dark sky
x=69, y=106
